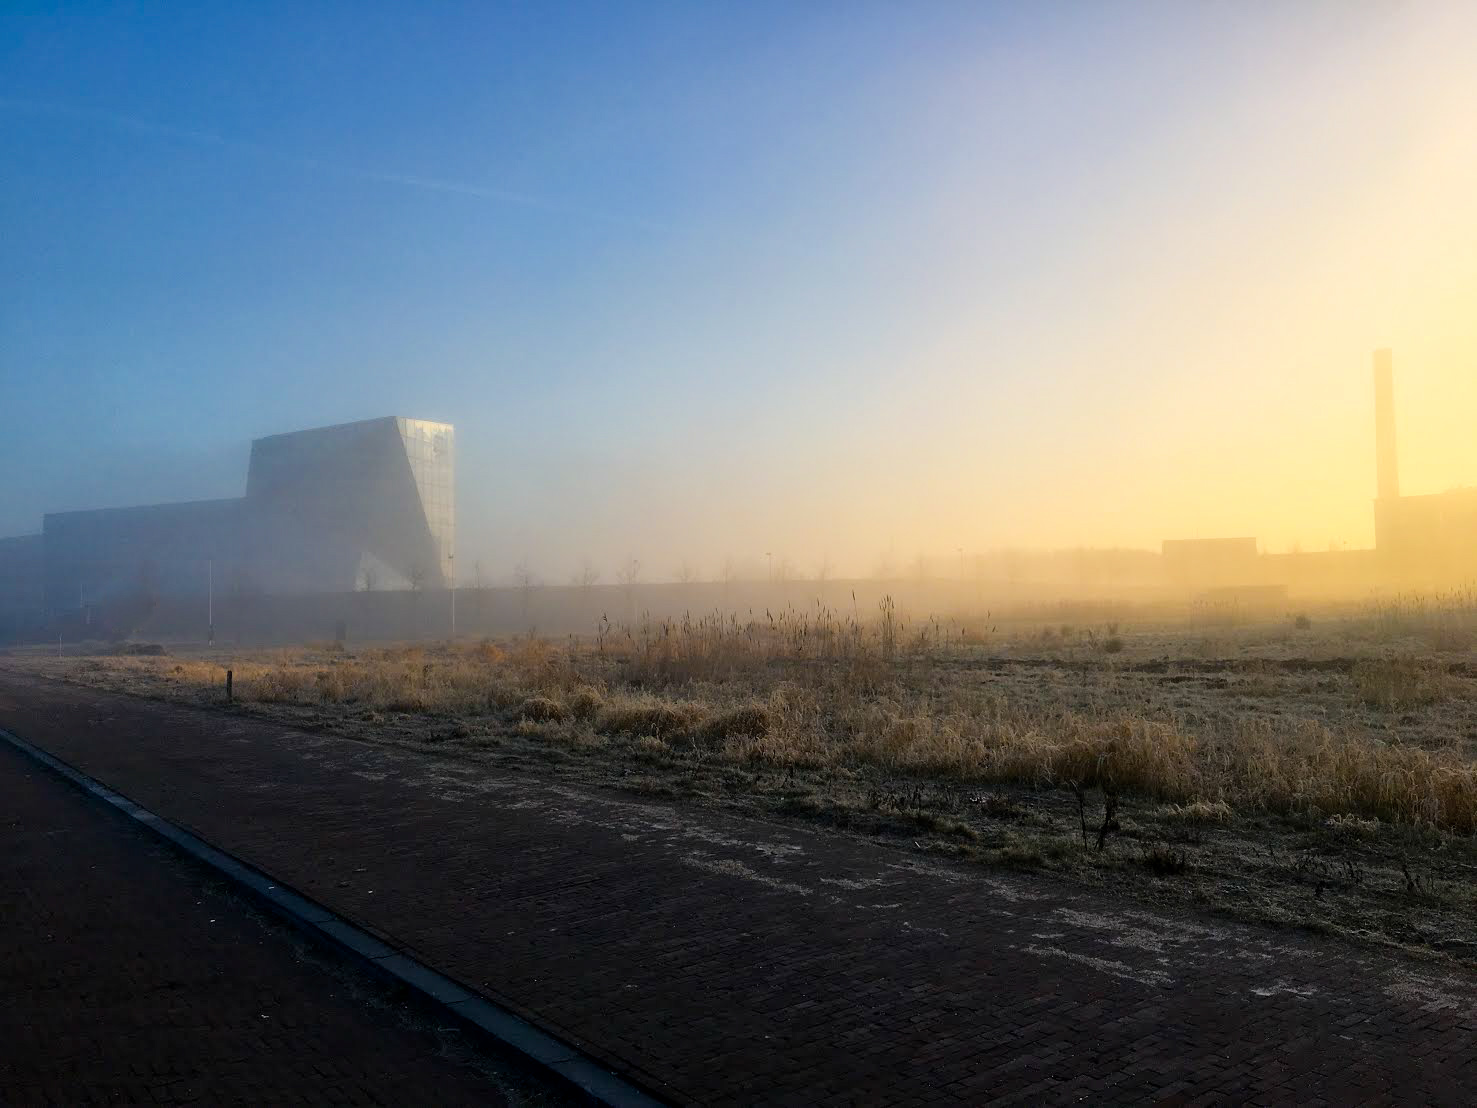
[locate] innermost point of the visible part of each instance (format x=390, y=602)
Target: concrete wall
x=1428, y=540
x=102, y=557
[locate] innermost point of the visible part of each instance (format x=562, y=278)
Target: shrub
x=488, y=651
x=1353, y=827
x=541, y=709
x=1131, y=755
x=998, y=806
x=409, y=700
x=1402, y=682
x=750, y=720
x=1021, y=856
x=1197, y=812
x=1164, y=861
x=655, y=718
x=1316, y=769
x=197, y=673
x=505, y=696
x=1113, y=645
x=652, y=749
x=586, y=702
x=1450, y=640
x=284, y=685
x=1302, y=622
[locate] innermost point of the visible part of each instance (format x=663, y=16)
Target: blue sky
x=697, y=280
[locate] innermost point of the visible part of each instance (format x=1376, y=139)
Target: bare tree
x=785, y=571
x=1014, y=564
x=685, y=573
x=527, y=581
x=628, y=575
x=417, y=577
x=585, y=579
x=727, y=573
x=587, y=576
x=369, y=580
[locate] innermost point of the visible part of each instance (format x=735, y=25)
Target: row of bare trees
x=629, y=573
x=780, y=570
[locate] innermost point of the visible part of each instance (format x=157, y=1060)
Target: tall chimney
x=1386, y=460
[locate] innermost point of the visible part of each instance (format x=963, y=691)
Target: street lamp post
x=210, y=597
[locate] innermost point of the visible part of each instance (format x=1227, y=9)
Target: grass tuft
x=541, y=709
x=1164, y=861
x=748, y=720
x=1395, y=682
x=1197, y=813
x=654, y=718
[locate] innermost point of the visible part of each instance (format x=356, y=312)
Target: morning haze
x=838, y=292
x=782, y=553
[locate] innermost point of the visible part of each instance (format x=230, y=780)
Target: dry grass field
x=1311, y=770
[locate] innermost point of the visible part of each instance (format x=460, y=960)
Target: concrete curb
x=328, y=930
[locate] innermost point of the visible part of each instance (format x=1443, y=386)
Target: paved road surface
x=129, y=976
x=732, y=962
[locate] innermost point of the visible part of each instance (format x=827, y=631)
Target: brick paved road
x=130, y=977
x=727, y=961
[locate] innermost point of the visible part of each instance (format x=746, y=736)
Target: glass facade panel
x=431, y=449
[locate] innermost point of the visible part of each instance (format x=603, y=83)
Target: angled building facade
x=358, y=505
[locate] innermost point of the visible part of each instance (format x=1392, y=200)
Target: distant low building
x=1431, y=537
x=22, y=572
x=1420, y=539
x=358, y=505
x=1425, y=541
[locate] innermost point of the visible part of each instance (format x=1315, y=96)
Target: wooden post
x=228, y=686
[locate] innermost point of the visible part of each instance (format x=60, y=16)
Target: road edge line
x=564, y=1061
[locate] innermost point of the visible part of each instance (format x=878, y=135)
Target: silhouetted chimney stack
x=1386, y=459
